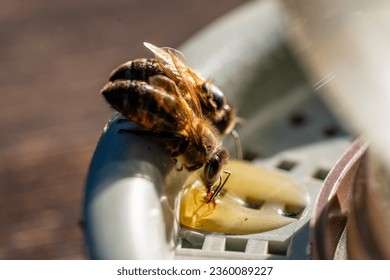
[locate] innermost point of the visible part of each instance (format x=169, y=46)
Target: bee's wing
x=189, y=78
x=165, y=61
x=167, y=85
x=175, y=67
x=183, y=114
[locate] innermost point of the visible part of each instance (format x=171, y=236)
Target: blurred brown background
x=55, y=57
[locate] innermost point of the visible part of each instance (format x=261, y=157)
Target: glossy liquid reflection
x=253, y=200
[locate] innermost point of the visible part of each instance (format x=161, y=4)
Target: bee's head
x=216, y=95
x=213, y=168
x=226, y=114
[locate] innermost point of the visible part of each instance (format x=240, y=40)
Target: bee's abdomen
x=140, y=102
x=138, y=69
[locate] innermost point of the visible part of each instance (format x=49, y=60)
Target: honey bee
x=195, y=89
x=212, y=101
x=160, y=108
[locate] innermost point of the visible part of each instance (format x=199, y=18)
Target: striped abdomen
x=145, y=105
x=138, y=69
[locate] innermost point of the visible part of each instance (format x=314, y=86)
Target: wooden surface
x=55, y=57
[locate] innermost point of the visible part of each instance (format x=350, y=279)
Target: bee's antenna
x=237, y=142
x=220, y=186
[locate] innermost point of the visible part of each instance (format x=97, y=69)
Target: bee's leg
x=173, y=139
x=179, y=168
x=194, y=167
x=137, y=131
x=220, y=185
x=175, y=163
x=122, y=120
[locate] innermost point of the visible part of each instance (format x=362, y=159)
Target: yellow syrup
x=253, y=200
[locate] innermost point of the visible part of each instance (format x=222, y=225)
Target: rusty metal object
x=333, y=204
x=351, y=216
x=368, y=227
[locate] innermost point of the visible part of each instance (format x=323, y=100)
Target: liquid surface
x=253, y=200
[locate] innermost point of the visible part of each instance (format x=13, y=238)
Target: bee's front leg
x=175, y=161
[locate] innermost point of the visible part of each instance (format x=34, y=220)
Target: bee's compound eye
x=212, y=170
x=205, y=87
x=216, y=94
